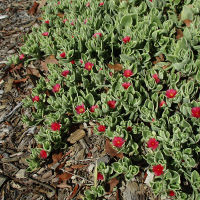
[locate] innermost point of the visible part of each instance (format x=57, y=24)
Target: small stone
x=11, y=51
x=21, y=173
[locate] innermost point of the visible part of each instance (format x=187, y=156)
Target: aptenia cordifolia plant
x=149, y=108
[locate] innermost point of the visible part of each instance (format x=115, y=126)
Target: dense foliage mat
x=133, y=68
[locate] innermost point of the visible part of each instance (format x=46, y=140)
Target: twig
x=11, y=113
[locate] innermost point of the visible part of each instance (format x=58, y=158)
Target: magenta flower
x=126, y=85
x=35, y=98
x=55, y=126
x=88, y=66
x=45, y=33
x=128, y=73
x=171, y=93
x=152, y=143
x=111, y=104
x=99, y=34
x=72, y=23
x=43, y=154
x=155, y=76
x=195, y=112
x=80, y=109
x=129, y=128
x=126, y=39
x=81, y=61
x=118, y=142
x=65, y=73
x=158, y=170
x=100, y=176
x=88, y=4
x=63, y=55
x=171, y=193
x=162, y=103
x=101, y=4
x=101, y=128
x=56, y=88
x=72, y=62
x=85, y=21
x=92, y=109
x=46, y=22
x=64, y=20
x=21, y=57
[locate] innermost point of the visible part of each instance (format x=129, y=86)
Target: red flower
x=46, y=22
x=171, y=193
x=150, y=0
x=129, y=128
x=65, y=73
x=72, y=62
x=195, y=112
x=153, y=120
x=58, y=3
x=171, y=93
x=162, y=103
x=45, y=33
x=118, y=142
x=72, y=36
x=126, y=85
x=88, y=4
x=110, y=73
x=72, y=23
x=85, y=21
x=63, y=55
x=81, y=61
x=99, y=34
x=56, y=88
x=88, y=66
x=101, y=128
x=126, y=39
x=43, y=154
x=158, y=170
x=101, y=4
x=21, y=57
x=111, y=104
x=155, y=76
x=92, y=109
x=64, y=20
x=55, y=126
x=152, y=143
x=100, y=176
x=128, y=73
x=80, y=109
x=35, y=98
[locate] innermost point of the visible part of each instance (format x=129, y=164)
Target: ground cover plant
x=133, y=68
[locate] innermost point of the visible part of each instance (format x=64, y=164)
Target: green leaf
x=90, y=99
x=126, y=21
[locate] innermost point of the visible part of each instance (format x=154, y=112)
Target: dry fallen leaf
x=65, y=176
x=179, y=34
x=159, y=58
x=49, y=60
x=57, y=157
x=61, y=15
x=33, y=71
x=75, y=136
x=74, y=192
x=16, y=67
x=112, y=152
x=8, y=85
x=116, y=67
x=21, y=80
x=187, y=22
x=112, y=182
x=33, y=9
x=78, y=166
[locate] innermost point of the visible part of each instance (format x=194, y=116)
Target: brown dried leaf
x=57, y=157
x=21, y=80
x=33, y=71
x=179, y=33
x=75, y=136
x=74, y=192
x=116, y=67
x=112, y=152
x=33, y=9
x=49, y=60
x=78, y=166
x=61, y=15
x=65, y=176
x=187, y=22
x=8, y=85
x=159, y=58
x=113, y=182
x=15, y=67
